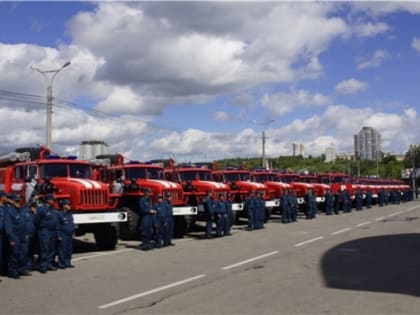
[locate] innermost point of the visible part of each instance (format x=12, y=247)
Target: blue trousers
x=168, y=230
x=65, y=251
x=146, y=231
x=209, y=225
x=251, y=218
x=47, y=244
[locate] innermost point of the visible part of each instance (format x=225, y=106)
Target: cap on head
x=49, y=197
x=147, y=190
x=168, y=194
x=65, y=202
x=221, y=195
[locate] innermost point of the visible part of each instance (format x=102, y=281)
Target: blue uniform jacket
x=14, y=224
x=220, y=207
x=160, y=211
x=169, y=211
x=145, y=205
x=46, y=218
x=29, y=216
x=2, y=214
x=209, y=206
x=250, y=203
x=65, y=223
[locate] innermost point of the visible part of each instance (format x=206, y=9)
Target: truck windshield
x=195, y=175
x=144, y=173
x=65, y=170
x=232, y=177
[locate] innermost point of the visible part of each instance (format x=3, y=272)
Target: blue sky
x=202, y=80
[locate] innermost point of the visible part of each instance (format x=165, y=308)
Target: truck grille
x=93, y=197
x=174, y=193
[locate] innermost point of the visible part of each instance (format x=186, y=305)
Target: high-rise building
x=330, y=154
x=91, y=148
x=367, y=144
x=298, y=149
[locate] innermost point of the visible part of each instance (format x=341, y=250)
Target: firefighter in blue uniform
x=250, y=205
x=159, y=220
x=338, y=201
x=358, y=200
x=346, y=201
x=381, y=197
x=46, y=221
x=260, y=211
x=209, y=213
x=3, y=208
x=328, y=202
x=65, y=232
x=310, y=209
x=221, y=213
x=147, y=212
x=285, y=204
x=14, y=226
x=28, y=213
x=229, y=215
x=293, y=205
x=369, y=198
x=168, y=230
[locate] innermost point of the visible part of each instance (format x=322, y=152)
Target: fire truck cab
x=94, y=208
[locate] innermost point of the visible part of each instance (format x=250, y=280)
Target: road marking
x=412, y=209
x=249, y=260
x=394, y=214
x=379, y=219
x=341, y=231
x=309, y=241
x=364, y=223
x=136, y=296
x=102, y=254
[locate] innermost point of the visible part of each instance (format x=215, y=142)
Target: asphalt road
x=363, y=262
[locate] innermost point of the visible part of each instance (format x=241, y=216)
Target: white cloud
x=221, y=116
x=415, y=43
x=378, y=57
x=281, y=103
x=370, y=29
x=351, y=86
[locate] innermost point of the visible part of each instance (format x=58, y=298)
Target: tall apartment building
x=298, y=149
x=91, y=148
x=367, y=144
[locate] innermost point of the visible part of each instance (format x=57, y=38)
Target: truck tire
x=106, y=237
x=235, y=217
x=130, y=230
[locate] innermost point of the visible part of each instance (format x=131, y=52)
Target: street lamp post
x=265, y=124
x=49, y=75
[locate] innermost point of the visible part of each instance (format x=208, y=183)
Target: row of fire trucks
x=105, y=192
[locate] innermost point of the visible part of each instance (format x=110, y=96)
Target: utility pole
x=264, y=138
x=49, y=75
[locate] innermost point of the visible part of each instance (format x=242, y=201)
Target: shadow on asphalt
x=388, y=263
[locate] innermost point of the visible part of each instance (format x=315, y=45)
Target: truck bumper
x=272, y=203
x=99, y=217
x=185, y=211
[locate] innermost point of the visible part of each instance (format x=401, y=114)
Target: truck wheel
x=130, y=230
x=235, y=217
x=106, y=237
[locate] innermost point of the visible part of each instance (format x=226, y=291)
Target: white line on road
x=115, y=252
x=136, y=296
x=309, y=241
x=394, y=214
x=411, y=209
x=250, y=260
x=379, y=219
x=341, y=231
x=364, y=223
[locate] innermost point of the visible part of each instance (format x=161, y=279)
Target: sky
x=203, y=80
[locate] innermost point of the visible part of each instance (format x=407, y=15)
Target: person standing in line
x=293, y=205
x=147, y=213
x=369, y=198
x=285, y=204
x=14, y=225
x=28, y=213
x=46, y=221
x=250, y=205
x=221, y=213
x=310, y=211
x=168, y=230
x=229, y=215
x=209, y=212
x=260, y=211
x=159, y=220
x=3, y=209
x=328, y=202
x=358, y=200
x=65, y=232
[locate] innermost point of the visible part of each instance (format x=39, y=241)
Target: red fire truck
x=94, y=207
x=130, y=178
x=299, y=187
